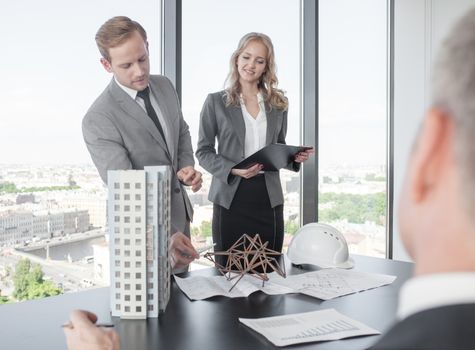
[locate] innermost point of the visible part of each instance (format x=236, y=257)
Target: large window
x=353, y=40
x=52, y=202
x=211, y=30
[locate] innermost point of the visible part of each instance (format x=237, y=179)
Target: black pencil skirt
x=250, y=213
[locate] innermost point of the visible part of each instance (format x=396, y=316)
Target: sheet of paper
x=332, y=283
x=307, y=327
x=201, y=287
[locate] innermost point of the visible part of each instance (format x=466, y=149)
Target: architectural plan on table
x=332, y=283
x=201, y=287
x=323, y=284
x=307, y=327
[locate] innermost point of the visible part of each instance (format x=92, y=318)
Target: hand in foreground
x=83, y=334
x=249, y=172
x=181, y=251
x=303, y=156
x=190, y=177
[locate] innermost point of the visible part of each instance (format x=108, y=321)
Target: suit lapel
x=271, y=124
x=160, y=97
x=136, y=112
x=238, y=122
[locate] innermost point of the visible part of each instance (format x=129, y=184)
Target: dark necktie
x=145, y=96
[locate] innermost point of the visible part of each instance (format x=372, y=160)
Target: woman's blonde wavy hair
x=268, y=81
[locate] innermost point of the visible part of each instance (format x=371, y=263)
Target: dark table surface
x=206, y=324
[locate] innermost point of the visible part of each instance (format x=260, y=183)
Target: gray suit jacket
x=120, y=135
x=444, y=327
x=226, y=124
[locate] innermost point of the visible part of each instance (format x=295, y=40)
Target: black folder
x=273, y=157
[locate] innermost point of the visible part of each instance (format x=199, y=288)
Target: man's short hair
x=453, y=91
x=115, y=31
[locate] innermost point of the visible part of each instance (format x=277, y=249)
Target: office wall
x=419, y=28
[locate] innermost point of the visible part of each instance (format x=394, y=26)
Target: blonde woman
x=248, y=115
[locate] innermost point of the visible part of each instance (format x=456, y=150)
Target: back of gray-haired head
x=453, y=91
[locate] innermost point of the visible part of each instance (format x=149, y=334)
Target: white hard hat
x=321, y=245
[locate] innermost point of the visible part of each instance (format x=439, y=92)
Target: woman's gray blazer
x=226, y=125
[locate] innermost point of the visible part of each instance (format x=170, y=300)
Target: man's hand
x=190, y=177
x=249, y=172
x=82, y=333
x=181, y=251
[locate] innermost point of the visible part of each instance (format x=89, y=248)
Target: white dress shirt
x=256, y=128
x=133, y=94
x=431, y=291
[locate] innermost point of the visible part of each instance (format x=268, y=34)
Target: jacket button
x=177, y=190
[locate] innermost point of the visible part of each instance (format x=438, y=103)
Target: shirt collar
x=431, y=291
x=131, y=92
x=260, y=98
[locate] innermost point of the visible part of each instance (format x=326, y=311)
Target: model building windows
x=138, y=197
x=126, y=207
x=116, y=185
x=126, y=185
x=138, y=185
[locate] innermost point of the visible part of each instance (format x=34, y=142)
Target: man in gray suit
x=437, y=209
x=137, y=121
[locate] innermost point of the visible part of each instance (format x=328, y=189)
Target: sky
x=51, y=74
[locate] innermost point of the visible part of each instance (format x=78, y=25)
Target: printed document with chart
x=306, y=327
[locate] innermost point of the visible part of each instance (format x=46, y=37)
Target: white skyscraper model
x=139, y=226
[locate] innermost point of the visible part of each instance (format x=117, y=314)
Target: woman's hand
x=249, y=172
x=303, y=156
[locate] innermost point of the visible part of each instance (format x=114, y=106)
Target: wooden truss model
x=248, y=255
